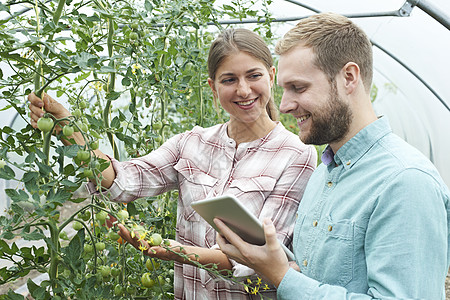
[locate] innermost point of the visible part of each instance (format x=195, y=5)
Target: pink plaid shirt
x=268, y=175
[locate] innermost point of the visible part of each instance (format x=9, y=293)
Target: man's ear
x=212, y=86
x=352, y=76
x=272, y=72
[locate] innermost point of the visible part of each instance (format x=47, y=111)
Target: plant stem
x=112, y=79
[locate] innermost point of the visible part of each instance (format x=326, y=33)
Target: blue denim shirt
x=373, y=223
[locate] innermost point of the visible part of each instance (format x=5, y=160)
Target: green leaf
x=112, y=95
x=68, y=151
x=30, y=176
x=115, y=123
x=73, y=251
x=4, y=8
x=44, y=170
x=6, y=249
x=83, y=58
x=7, y=173
x=12, y=295
x=148, y=6
x=131, y=208
x=107, y=69
x=30, y=158
x=35, y=290
x=60, y=196
x=126, y=81
x=33, y=236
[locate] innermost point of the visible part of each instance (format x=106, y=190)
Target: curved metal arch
x=403, y=11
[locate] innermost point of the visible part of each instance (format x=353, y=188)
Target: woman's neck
x=246, y=132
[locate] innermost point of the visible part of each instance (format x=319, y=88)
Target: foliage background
x=133, y=73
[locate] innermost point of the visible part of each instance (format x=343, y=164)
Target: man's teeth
x=246, y=102
x=303, y=118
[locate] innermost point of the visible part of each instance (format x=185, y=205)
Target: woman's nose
x=243, y=89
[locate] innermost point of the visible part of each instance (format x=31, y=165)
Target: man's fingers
x=229, y=235
x=270, y=233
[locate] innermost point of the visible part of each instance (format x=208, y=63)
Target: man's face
x=322, y=115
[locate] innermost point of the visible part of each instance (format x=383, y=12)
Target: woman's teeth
x=244, y=103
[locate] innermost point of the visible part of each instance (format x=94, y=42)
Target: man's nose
x=287, y=105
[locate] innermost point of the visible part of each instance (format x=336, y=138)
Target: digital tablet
x=231, y=211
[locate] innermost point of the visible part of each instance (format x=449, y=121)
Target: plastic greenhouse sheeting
x=411, y=60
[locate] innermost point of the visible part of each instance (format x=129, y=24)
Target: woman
x=252, y=156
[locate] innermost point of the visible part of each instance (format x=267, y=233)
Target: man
x=373, y=221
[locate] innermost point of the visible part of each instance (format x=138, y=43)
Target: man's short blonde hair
x=335, y=40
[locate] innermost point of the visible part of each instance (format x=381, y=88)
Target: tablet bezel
x=236, y=216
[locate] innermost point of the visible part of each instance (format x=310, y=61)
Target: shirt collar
x=358, y=145
x=256, y=143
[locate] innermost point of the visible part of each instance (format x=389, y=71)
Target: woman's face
x=243, y=87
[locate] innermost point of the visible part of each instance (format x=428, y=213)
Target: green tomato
x=77, y=226
x=161, y=280
x=45, y=124
x=157, y=125
x=115, y=271
x=155, y=239
x=86, y=215
x=101, y=216
x=83, y=127
x=63, y=235
x=151, y=264
x=88, y=173
x=76, y=113
x=158, y=139
x=94, y=145
x=133, y=278
x=82, y=104
x=2, y=163
x=118, y=290
x=88, y=248
x=68, y=130
x=114, y=236
x=96, y=135
x=134, y=25
x=100, y=246
x=123, y=215
x=131, y=290
x=133, y=36
x=147, y=281
x=83, y=155
x=105, y=271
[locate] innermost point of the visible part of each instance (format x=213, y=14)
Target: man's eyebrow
x=294, y=82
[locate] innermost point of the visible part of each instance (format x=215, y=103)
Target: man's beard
x=333, y=122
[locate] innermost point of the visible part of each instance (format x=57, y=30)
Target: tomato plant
x=133, y=76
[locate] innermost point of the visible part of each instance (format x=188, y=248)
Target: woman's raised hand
x=47, y=104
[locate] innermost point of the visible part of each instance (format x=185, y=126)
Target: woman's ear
x=212, y=86
x=352, y=76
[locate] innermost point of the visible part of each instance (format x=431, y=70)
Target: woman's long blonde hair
x=235, y=40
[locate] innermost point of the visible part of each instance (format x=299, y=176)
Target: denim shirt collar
x=358, y=145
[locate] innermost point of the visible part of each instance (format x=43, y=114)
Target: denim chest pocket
x=194, y=185
x=332, y=261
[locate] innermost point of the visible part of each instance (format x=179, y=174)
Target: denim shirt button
x=315, y=223
x=305, y=262
x=330, y=227
x=330, y=184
